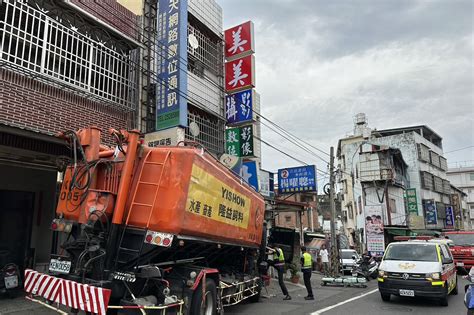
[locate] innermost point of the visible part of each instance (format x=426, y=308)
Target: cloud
x=403, y=63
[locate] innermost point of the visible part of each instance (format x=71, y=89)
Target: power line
x=183, y=61
x=471, y=146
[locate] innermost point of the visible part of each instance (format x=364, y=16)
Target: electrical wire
x=183, y=62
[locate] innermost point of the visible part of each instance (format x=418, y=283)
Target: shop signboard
x=240, y=74
x=374, y=230
x=431, y=213
x=239, y=107
x=172, y=64
x=297, y=179
x=412, y=202
x=239, y=41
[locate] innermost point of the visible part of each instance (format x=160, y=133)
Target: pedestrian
x=307, y=268
x=279, y=264
x=323, y=253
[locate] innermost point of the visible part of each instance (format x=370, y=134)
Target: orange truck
x=141, y=229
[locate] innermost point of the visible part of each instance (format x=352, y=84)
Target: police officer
x=279, y=264
x=307, y=268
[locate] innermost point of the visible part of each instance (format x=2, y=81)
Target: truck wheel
x=385, y=297
x=208, y=304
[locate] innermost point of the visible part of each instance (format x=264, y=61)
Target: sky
x=402, y=63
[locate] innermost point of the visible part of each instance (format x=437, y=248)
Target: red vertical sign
x=239, y=41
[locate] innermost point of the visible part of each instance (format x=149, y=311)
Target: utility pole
x=334, y=243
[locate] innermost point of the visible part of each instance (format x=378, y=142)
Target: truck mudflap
x=66, y=292
x=56, y=291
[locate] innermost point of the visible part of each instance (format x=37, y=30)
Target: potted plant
x=295, y=278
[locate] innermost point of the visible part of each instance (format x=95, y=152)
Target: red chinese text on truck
x=139, y=228
x=462, y=248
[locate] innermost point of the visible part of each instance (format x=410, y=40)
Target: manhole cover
x=396, y=308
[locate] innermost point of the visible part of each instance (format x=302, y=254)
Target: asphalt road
x=373, y=304
x=329, y=301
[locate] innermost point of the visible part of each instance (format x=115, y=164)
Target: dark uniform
x=279, y=264
x=307, y=268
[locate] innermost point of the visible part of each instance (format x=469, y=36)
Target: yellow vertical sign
x=211, y=198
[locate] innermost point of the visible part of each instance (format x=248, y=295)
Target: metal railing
x=35, y=43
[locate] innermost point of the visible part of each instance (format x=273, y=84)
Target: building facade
x=463, y=179
x=64, y=65
x=422, y=169
x=200, y=89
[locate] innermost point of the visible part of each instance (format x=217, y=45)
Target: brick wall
x=112, y=13
x=33, y=105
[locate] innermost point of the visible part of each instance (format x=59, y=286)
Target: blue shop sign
x=297, y=179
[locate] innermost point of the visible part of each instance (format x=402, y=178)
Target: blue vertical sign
x=239, y=107
x=297, y=179
x=249, y=173
x=172, y=61
x=449, y=217
x=430, y=212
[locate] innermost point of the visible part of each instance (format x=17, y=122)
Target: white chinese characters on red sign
x=239, y=40
x=239, y=74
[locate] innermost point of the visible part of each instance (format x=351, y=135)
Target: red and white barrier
x=69, y=293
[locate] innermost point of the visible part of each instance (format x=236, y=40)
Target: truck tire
x=208, y=306
x=385, y=297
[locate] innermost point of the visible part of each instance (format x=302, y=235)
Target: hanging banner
x=412, y=202
x=449, y=218
x=431, y=213
x=374, y=228
x=239, y=107
x=172, y=63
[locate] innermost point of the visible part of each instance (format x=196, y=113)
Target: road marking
x=342, y=303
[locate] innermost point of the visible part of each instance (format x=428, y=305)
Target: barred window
x=446, y=187
x=423, y=152
x=443, y=163
x=34, y=43
x=211, y=130
x=426, y=180
x=438, y=184
x=434, y=159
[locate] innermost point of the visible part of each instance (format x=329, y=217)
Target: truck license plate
x=60, y=266
x=11, y=282
x=460, y=264
x=406, y=292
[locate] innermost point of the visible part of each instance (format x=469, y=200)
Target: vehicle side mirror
x=354, y=257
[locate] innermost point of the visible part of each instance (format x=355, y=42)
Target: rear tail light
x=61, y=225
x=148, y=238
x=166, y=242
x=159, y=238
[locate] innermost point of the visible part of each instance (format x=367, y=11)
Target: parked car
x=348, y=259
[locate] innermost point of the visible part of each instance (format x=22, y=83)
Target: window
x=350, y=212
x=471, y=177
x=426, y=180
x=434, y=159
x=393, y=205
x=288, y=218
x=423, y=152
x=411, y=252
x=443, y=163
x=438, y=184
x=36, y=44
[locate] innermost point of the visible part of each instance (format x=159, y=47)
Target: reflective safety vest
x=279, y=256
x=308, y=261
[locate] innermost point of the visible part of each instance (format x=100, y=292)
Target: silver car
x=349, y=257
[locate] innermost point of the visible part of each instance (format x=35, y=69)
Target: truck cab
x=462, y=248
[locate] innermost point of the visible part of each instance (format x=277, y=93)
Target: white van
x=417, y=269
